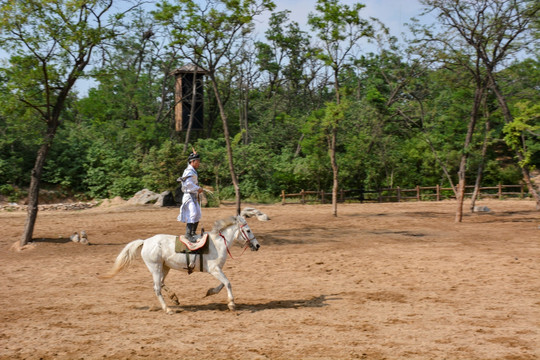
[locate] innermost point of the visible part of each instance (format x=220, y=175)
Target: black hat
x=193, y=156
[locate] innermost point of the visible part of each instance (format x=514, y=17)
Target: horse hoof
x=232, y=307
x=174, y=299
x=169, y=311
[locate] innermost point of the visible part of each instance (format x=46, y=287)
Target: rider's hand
x=200, y=190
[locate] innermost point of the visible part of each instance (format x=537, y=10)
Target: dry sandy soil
x=380, y=281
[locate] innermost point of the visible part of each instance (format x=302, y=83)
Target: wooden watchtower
x=189, y=97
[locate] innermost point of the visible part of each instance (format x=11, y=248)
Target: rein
x=246, y=238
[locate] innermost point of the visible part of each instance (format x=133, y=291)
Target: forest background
x=313, y=108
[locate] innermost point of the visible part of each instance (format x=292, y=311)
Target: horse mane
x=223, y=223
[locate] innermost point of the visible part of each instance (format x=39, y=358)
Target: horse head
x=246, y=234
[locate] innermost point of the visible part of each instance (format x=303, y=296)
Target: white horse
x=158, y=253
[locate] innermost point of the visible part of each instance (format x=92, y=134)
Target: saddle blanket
x=183, y=245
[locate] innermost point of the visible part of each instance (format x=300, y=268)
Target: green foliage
x=162, y=166
x=340, y=27
x=68, y=157
x=213, y=168
x=526, y=125
x=497, y=173
x=220, y=23
x=399, y=120
x=20, y=133
x=12, y=193
x=51, y=43
x=110, y=173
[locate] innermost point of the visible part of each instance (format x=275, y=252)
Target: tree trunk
x=192, y=109
x=299, y=146
x=463, y=163
x=528, y=181
x=227, y=143
x=246, y=111
x=335, y=171
x=333, y=145
x=243, y=109
x=460, y=196
x=480, y=171
x=508, y=119
x=33, y=191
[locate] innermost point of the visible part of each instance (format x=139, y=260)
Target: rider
x=190, y=211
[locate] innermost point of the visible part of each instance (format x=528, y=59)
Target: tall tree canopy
x=339, y=28
x=51, y=42
x=495, y=31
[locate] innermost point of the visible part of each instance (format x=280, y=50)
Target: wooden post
x=521, y=192
x=282, y=197
x=303, y=196
x=417, y=193
x=398, y=194
x=438, y=192
x=500, y=191
x=322, y=197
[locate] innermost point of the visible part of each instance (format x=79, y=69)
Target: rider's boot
x=189, y=233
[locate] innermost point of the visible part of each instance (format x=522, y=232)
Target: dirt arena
x=380, y=281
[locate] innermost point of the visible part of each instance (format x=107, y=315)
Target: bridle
x=242, y=232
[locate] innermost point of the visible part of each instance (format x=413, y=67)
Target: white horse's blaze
x=158, y=253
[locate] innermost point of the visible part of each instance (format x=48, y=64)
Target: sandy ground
x=380, y=281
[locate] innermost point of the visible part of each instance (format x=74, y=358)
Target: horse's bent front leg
x=172, y=294
x=214, y=291
x=218, y=274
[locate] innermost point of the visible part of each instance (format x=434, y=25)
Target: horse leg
x=218, y=274
x=157, y=275
x=170, y=293
x=214, y=291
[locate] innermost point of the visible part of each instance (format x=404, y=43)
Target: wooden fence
x=397, y=194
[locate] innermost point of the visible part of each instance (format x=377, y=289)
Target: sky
x=393, y=13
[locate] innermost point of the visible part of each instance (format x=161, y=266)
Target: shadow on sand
x=59, y=240
x=62, y=240
x=314, y=302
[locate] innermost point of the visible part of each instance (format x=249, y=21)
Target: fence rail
x=397, y=194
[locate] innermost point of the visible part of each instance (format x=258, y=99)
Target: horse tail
x=124, y=259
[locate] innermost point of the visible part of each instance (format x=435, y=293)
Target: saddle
x=183, y=244
x=199, y=247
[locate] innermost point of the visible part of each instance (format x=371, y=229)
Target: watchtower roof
x=189, y=69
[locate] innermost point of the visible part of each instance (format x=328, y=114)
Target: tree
x=523, y=133
x=133, y=101
x=205, y=34
x=286, y=82
x=283, y=59
x=339, y=28
x=51, y=43
x=497, y=30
